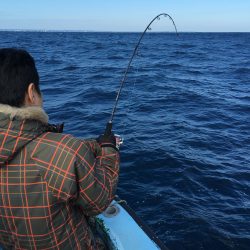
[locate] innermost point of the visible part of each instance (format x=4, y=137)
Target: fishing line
x=109, y=124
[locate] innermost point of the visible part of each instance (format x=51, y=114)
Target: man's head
x=19, y=79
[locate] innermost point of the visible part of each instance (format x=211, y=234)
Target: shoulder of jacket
x=57, y=143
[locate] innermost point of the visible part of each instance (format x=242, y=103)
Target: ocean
x=184, y=114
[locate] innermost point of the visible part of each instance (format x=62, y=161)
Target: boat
x=122, y=229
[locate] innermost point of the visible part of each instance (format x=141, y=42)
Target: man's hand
x=110, y=140
x=107, y=140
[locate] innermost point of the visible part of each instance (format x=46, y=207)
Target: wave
x=242, y=71
x=53, y=61
x=187, y=46
x=70, y=68
x=115, y=57
x=194, y=72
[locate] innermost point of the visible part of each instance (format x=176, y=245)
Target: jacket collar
x=25, y=113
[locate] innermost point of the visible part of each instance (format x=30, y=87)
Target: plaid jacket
x=50, y=183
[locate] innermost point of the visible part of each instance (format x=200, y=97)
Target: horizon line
x=110, y=31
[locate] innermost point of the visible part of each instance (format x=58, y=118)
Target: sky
x=126, y=15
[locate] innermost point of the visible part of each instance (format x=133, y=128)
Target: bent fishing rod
x=110, y=122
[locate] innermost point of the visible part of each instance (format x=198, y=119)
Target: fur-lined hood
x=25, y=113
x=18, y=127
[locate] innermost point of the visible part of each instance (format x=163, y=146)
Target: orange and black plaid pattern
x=49, y=184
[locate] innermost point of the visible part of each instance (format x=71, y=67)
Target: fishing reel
x=108, y=132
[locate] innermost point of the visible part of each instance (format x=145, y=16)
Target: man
x=50, y=183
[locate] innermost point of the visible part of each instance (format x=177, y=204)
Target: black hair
x=17, y=71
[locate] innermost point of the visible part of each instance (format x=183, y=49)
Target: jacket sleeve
x=96, y=172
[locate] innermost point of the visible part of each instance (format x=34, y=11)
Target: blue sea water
x=184, y=114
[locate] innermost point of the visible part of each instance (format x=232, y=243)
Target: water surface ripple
x=184, y=114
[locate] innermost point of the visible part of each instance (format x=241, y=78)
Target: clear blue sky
x=126, y=15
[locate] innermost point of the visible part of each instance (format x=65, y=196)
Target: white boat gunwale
x=144, y=227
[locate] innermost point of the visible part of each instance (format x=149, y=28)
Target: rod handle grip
x=108, y=129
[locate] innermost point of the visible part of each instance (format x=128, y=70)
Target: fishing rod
x=110, y=122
